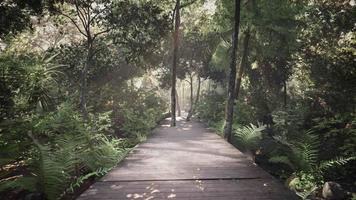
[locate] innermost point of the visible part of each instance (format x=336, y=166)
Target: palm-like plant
x=42, y=76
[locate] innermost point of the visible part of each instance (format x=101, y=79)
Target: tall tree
x=229, y=112
x=132, y=27
x=88, y=16
x=175, y=61
x=242, y=63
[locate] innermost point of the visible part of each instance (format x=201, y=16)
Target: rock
x=333, y=191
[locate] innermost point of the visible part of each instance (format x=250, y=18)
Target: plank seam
x=186, y=179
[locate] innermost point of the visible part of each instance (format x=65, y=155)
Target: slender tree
x=175, y=61
x=242, y=63
x=193, y=103
x=229, y=112
x=86, y=16
x=190, y=112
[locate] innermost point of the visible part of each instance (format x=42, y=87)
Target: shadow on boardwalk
x=187, y=162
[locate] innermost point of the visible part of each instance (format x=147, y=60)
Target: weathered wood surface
x=187, y=162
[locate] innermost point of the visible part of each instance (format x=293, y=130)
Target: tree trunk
x=198, y=93
x=84, y=81
x=178, y=104
x=193, y=105
x=229, y=112
x=174, y=65
x=190, y=112
x=183, y=96
x=242, y=64
x=285, y=94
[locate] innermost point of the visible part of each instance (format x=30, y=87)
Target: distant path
x=187, y=162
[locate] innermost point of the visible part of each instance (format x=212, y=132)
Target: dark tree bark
x=229, y=112
x=285, y=94
x=242, y=64
x=175, y=61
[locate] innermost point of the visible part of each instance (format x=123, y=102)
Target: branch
x=88, y=15
x=174, y=13
x=101, y=32
x=81, y=17
x=75, y=24
x=96, y=15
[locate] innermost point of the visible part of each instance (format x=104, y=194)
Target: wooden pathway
x=187, y=162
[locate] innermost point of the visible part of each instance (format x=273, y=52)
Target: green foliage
x=245, y=113
x=302, y=155
x=248, y=137
x=325, y=165
x=298, y=80
x=15, y=14
x=304, y=184
x=327, y=38
x=217, y=126
x=211, y=106
x=141, y=112
x=339, y=134
x=137, y=27
x=63, y=146
x=28, y=81
x=80, y=180
x=50, y=172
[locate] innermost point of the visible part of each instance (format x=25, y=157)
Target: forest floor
x=188, y=161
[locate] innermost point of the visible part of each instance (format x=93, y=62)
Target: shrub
x=211, y=107
x=141, y=113
x=62, y=146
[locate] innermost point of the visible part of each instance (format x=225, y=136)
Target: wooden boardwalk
x=187, y=162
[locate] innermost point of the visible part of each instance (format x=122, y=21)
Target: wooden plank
x=187, y=162
x=205, y=189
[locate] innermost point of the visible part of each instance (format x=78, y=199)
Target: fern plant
x=80, y=180
x=247, y=137
x=49, y=174
x=59, y=153
x=303, y=157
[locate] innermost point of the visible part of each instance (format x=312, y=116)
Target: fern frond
x=305, y=152
x=306, y=155
x=100, y=153
x=27, y=183
x=248, y=136
x=80, y=180
x=325, y=165
x=51, y=174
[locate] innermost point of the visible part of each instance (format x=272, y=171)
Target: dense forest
x=83, y=81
